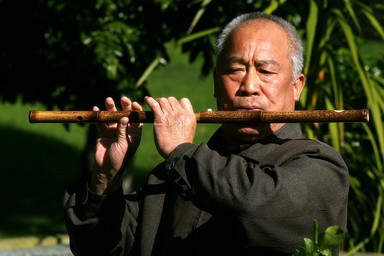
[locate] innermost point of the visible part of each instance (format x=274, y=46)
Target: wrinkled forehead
x=264, y=27
x=254, y=33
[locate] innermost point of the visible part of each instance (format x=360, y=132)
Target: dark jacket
x=205, y=200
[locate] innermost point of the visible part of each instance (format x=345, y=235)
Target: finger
x=174, y=103
x=155, y=107
x=110, y=104
x=186, y=104
x=122, y=127
x=99, y=126
x=136, y=107
x=126, y=103
x=166, y=104
x=153, y=104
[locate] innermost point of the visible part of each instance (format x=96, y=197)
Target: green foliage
x=72, y=55
x=322, y=243
x=340, y=78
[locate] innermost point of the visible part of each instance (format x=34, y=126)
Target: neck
x=236, y=135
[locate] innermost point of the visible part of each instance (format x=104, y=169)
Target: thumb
x=122, y=127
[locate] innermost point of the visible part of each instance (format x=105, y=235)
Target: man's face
x=254, y=73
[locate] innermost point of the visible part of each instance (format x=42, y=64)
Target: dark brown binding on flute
x=297, y=116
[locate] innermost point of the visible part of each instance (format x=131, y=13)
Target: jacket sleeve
x=99, y=225
x=271, y=200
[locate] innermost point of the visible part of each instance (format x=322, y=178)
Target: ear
x=298, y=86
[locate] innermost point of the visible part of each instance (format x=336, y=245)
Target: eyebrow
x=268, y=62
x=258, y=62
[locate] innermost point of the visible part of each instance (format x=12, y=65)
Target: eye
x=267, y=68
x=235, y=69
x=265, y=71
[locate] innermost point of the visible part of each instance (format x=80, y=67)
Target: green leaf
x=368, y=12
x=311, y=31
x=326, y=252
x=377, y=215
x=309, y=245
x=273, y=6
x=198, y=15
x=300, y=252
x=332, y=237
x=315, y=229
x=197, y=35
x=148, y=71
x=351, y=12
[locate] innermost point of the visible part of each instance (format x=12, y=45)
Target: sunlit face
x=254, y=73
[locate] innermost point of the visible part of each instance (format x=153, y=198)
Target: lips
x=248, y=109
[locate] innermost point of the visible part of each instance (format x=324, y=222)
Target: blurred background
x=71, y=55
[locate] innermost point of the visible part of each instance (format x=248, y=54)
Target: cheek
x=225, y=96
x=283, y=99
x=280, y=95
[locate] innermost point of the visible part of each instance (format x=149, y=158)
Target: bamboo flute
x=255, y=117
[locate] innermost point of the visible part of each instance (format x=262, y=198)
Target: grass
x=39, y=160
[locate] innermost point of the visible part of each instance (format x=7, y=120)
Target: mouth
x=249, y=109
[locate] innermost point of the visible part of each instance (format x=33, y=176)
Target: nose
x=250, y=84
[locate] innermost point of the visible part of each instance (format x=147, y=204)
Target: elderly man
x=251, y=190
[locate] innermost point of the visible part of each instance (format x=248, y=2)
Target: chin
x=249, y=132
x=254, y=130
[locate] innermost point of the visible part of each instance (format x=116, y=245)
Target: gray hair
x=295, y=43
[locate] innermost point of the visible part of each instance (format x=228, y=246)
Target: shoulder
x=308, y=145
x=305, y=150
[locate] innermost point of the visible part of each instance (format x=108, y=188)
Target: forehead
x=261, y=26
x=257, y=35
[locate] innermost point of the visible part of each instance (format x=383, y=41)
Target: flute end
x=31, y=116
x=366, y=115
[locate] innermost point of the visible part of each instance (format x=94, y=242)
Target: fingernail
x=124, y=121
